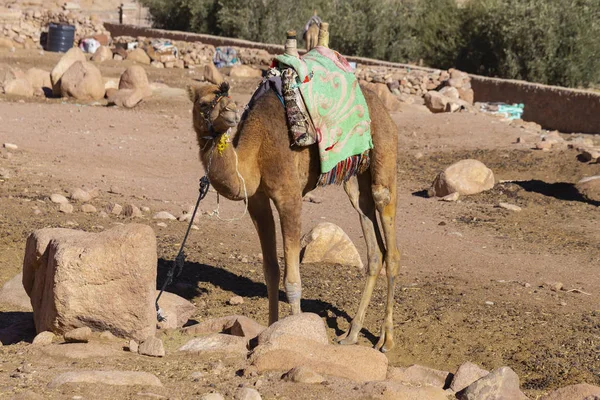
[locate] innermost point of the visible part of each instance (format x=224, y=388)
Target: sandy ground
x=471, y=279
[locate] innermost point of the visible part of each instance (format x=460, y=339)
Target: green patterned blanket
x=338, y=111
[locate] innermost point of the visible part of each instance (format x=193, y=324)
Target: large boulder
x=436, y=102
x=590, y=188
x=103, y=53
x=71, y=57
x=134, y=77
x=419, y=375
x=464, y=177
x=19, y=87
x=102, y=280
x=500, y=384
x=127, y=98
x=244, y=72
x=82, y=81
x=328, y=243
x=582, y=391
x=38, y=78
x=466, y=374
x=139, y=56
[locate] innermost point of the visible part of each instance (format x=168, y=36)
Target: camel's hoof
x=385, y=343
x=347, y=338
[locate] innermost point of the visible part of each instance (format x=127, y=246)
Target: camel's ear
x=193, y=93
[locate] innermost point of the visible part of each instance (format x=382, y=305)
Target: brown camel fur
x=272, y=170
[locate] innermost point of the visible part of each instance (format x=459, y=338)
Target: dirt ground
x=472, y=275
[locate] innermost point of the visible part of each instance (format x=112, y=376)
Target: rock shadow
x=559, y=190
x=245, y=287
x=16, y=326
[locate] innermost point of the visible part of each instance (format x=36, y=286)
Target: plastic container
x=60, y=37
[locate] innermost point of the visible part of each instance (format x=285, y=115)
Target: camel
x=272, y=170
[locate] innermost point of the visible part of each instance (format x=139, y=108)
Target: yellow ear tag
x=223, y=143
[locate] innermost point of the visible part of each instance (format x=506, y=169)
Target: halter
x=209, y=108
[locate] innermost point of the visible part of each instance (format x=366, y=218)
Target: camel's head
x=214, y=111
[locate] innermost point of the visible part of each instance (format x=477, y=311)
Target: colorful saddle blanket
x=337, y=109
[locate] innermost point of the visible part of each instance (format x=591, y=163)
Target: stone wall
x=553, y=107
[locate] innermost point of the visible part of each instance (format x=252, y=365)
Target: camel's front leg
x=289, y=210
x=259, y=207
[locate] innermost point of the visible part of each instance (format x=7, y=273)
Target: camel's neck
x=239, y=158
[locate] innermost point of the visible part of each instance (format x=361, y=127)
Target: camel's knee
x=375, y=264
x=381, y=195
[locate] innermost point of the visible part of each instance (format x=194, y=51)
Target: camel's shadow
x=16, y=326
x=245, y=287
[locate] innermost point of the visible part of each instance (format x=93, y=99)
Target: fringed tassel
x=345, y=169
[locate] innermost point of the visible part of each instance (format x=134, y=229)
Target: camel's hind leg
x=385, y=200
x=359, y=192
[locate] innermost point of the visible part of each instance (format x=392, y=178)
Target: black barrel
x=60, y=37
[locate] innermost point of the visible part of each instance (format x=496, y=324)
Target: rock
x=328, y=243
x=79, y=335
x=306, y=326
x=435, y=102
x=582, y=391
x=466, y=374
x=139, y=56
x=164, y=215
x=589, y=188
x=389, y=390
x=449, y=92
x=357, y=363
x=128, y=98
x=88, y=208
x=72, y=56
x=107, y=335
x=19, y=87
x=179, y=64
x=132, y=211
x=117, y=57
x=4, y=173
x=10, y=146
x=237, y=325
x=451, y=197
x=511, y=207
x=106, y=279
x=80, y=351
x=118, y=378
x=152, y=346
x=212, y=396
x=157, y=64
x=103, y=53
x=14, y=295
x=303, y=375
x=176, y=309
x=58, y=198
x=419, y=375
x=235, y=301
x=245, y=71
x=500, y=384
x=246, y=393
x=465, y=177
x=212, y=74
x=544, y=145
x=114, y=209
x=133, y=346
x=216, y=343
x=135, y=77
x=161, y=224
x=467, y=95
x=66, y=208
x=43, y=338
x=390, y=101
x=82, y=81
x=79, y=194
